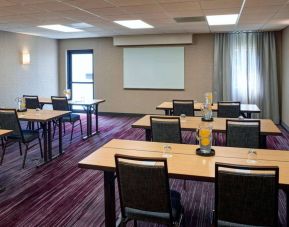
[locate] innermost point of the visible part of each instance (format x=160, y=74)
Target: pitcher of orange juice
x=204, y=135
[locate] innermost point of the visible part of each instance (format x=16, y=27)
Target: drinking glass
x=167, y=151
x=204, y=135
x=252, y=156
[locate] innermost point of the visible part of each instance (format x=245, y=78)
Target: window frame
x=69, y=69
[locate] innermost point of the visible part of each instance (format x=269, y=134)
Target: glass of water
x=167, y=153
x=252, y=156
x=183, y=117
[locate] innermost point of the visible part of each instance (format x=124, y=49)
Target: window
x=80, y=75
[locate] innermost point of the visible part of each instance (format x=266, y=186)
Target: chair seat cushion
x=71, y=118
x=28, y=135
x=159, y=217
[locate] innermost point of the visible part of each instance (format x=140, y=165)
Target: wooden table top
x=41, y=115
x=219, y=124
x=4, y=132
x=248, y=108
x=184, y=162
x=74, y=102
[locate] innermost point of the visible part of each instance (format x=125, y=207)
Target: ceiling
x=23, y=16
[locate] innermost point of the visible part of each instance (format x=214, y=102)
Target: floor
x=61, y=194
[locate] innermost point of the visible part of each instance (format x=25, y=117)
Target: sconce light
x=25, y=58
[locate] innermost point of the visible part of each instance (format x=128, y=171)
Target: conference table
x=184, y=164
x=45, y=118
x=89, y=106
x=3, y=133
x=218, y=124
x=246, y=109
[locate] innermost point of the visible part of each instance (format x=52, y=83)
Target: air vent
x=189, y=19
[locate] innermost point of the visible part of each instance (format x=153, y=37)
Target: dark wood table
x=90, y=107
x=184, y=164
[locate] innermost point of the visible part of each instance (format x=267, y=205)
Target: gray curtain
x=245, y=69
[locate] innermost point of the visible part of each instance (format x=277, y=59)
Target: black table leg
x=96, y=117
x=89, y=132
x=60, y=136
x=88, y=122
x=249, y=115
x=49, y=140
x=109, y=199
x=45, y=142
x=263, y=141
x=148, y=135
x=167, y=112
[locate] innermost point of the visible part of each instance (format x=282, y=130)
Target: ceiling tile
x=131, y=2
x=150, y=8
x=220, y=4
x=87, y=4
x=181, y=6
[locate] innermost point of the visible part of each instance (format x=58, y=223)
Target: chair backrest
x=31, y=101
x=166, y=129
x=243, y=133
x=144, y=188
x=60, y=103
x=9, y=120
x=246, y=195
x=183, y=107
x=229, y=109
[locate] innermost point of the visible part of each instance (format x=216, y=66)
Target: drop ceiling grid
x=25, y=15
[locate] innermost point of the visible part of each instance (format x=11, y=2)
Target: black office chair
x=183, y=107
x=9, y=120
x=61, y=103
x=246, y=195
x=229, y=109
x=145, y=193
x=243, y=133
x=32, y=102
x=166, y=129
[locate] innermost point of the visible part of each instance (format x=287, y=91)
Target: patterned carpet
x=61, y=194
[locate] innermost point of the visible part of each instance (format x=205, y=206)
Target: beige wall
x=108, y=72
x=38, y=78
x=285, y=77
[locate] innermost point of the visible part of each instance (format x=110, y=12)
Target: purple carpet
x=61, y=194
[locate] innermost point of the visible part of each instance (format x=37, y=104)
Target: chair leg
x=72, y=131
x=20, y=148
x=54, y=128
x=40, y=146
x=25, y=155
x=64, y=128
x=80, y=124
x=3, y=152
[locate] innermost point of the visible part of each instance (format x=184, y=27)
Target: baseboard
x=121, y=114
x=285, y=126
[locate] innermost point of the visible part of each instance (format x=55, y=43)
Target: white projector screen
x=153, y=68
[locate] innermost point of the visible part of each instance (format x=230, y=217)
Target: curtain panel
x=245, y=70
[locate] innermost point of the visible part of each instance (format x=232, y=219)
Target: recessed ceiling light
x=81, y=25
x=60, y=28
x=222, y=19
x=133, y=24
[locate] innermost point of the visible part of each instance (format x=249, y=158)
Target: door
x=80, y=75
